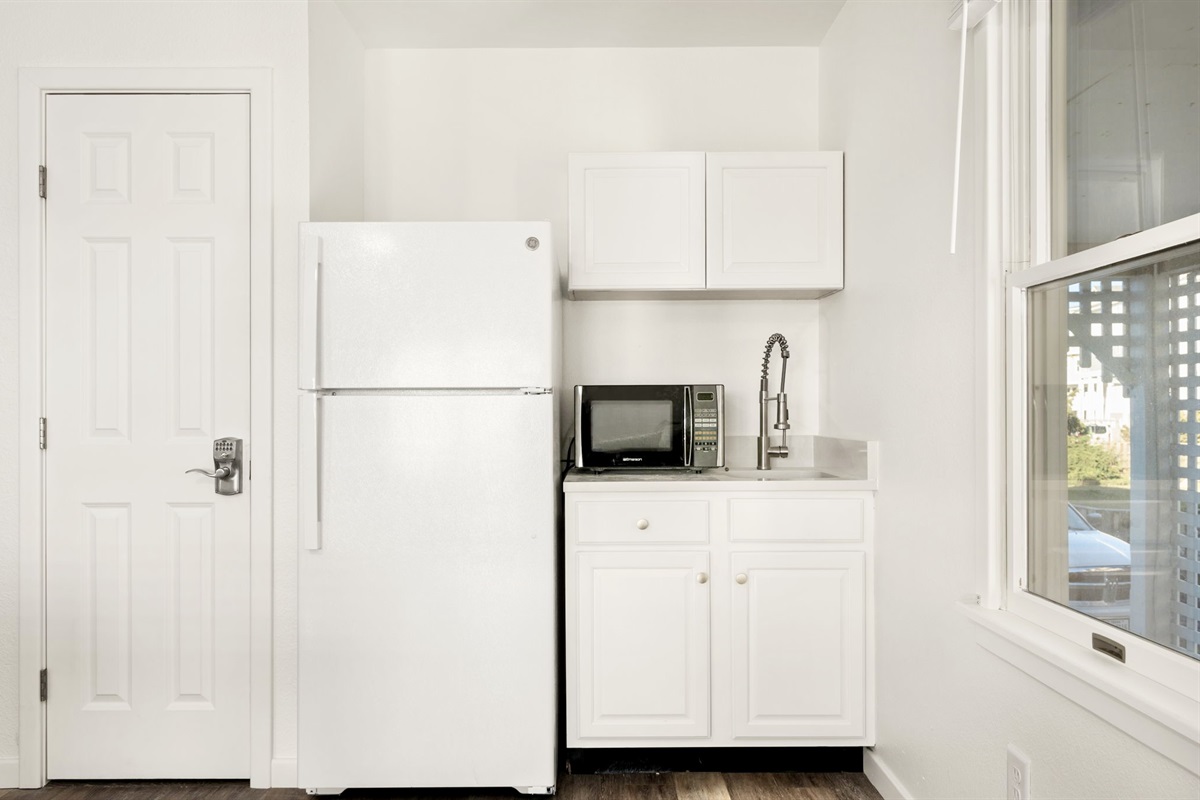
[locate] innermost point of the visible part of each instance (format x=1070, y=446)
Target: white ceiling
x=590, y=23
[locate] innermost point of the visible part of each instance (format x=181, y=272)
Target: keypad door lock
x=227, y=466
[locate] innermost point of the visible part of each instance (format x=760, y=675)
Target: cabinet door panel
x=637, y=220
x=643, y=621
x=798, y=644
x=774, y=220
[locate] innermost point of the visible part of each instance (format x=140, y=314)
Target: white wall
x=186, y=33
x=484, y=134
x=899, y=365
x=335, y=92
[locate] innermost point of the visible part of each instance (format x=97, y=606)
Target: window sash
x=1174, y=670
x=1164, y=237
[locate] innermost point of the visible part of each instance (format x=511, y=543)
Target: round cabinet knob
x=642, y=524
x=741, y=577
x=702, y=577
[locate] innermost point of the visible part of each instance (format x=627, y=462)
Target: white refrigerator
x=428, y=495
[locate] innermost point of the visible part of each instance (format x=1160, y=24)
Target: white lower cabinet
x=718, y=618
x=643, y=644
x=797, y=649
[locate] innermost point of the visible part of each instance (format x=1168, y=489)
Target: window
x=1113, y=340
x=1099, y=237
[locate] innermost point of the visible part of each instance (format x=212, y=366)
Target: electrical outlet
x=1018, y=775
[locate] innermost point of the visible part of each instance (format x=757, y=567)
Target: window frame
x=1155, y=695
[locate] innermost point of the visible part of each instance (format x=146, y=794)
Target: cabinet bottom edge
x=825, y=758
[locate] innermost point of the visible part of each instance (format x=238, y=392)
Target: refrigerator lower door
x=427, y=604
x=405, y=305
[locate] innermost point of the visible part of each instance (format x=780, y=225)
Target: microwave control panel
x=708, y=416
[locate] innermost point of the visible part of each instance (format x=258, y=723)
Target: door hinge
x=42, y=182
x=42, y=679
x=42, y=433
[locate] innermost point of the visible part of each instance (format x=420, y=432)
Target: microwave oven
x=677, y=426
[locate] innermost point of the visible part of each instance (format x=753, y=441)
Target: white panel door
x=774, y=220
x=427, y=305
x=427, y=622
x=637, y=220
x=798, y=644
x=642, y=624
x=147, y=362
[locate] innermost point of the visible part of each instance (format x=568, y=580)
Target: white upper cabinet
x=637, y=221
x=774, y=220
x=702, y=225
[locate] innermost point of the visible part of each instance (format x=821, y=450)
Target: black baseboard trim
x=599, y=760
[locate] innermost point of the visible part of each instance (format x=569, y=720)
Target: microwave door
x=632, y=427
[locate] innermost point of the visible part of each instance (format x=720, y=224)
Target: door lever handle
x=227, y=466
x=220, y=473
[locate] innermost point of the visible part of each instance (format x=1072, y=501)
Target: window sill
x=1160, y=718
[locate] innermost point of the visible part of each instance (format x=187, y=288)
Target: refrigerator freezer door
x=427, y=305
x=427, y=616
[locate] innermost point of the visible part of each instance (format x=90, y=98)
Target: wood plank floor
x=624, y=786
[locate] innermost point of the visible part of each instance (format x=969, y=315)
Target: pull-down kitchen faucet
x=765, y=450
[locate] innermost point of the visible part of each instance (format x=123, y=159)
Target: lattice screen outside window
x=1183, y=392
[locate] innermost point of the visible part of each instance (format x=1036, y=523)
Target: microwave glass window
x=631, y=425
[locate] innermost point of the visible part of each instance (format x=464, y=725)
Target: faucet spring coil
x=783, y=351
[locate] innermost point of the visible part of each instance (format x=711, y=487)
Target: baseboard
x=882, y=777
x=10, y=773
x=283, y=773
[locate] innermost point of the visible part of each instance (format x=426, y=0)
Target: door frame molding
x=35, y=85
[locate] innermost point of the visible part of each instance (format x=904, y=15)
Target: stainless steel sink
x=777, y=474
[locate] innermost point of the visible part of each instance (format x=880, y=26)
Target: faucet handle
x=781, y=413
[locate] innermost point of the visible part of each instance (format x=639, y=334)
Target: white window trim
x=1142, y=708
x=1155, y=696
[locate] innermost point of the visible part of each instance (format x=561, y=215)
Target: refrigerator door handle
x=308, y=370
x=310, y=471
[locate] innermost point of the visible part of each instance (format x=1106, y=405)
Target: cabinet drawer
x=796, y=519
x=641, y=521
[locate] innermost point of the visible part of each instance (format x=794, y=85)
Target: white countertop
x=816, y=464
